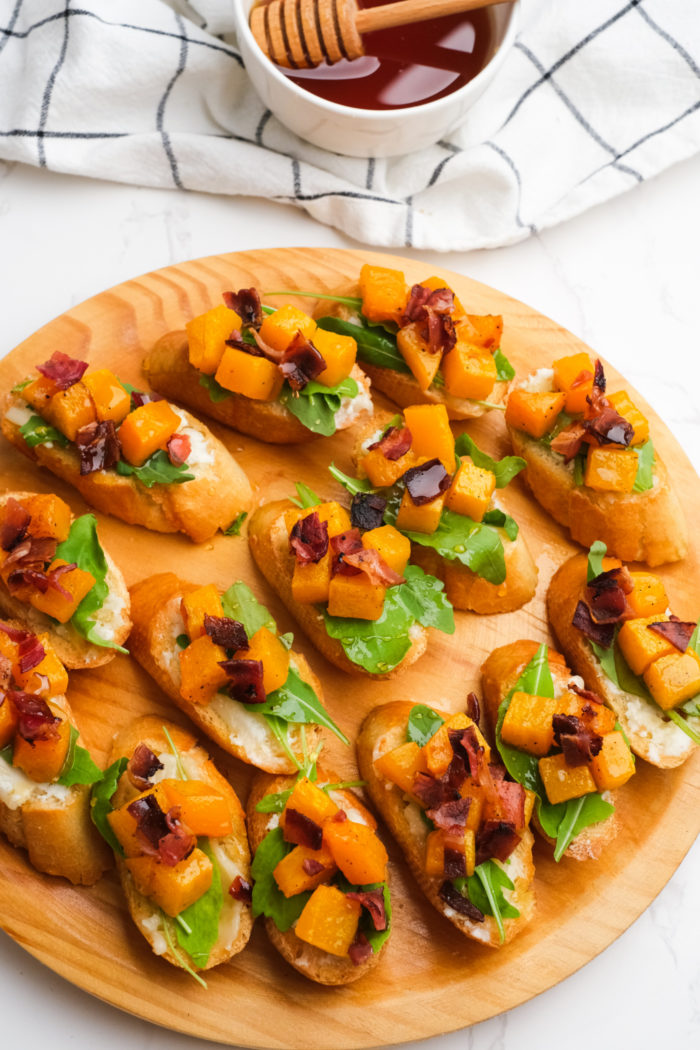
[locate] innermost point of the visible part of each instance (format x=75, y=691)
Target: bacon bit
x=179, y=448
x=15, y=524
x=454, y=863
x=496, y=838
x=301, y=362
x=226, y=632
x=55, y=575
x=237, y=341
x=5, y=674
x=32, y=552
x=578, y=744
x=301, y=830
x=569, y=440
x=496, y=771
x=142, y=766
x=360, y=950
x=675, y=631
x=599, y=380
x=452, y=814
x=342, y=545
x=36, y=720
x=465, y=742
x=394, y=443
x=431, y=792
x=312, y=867
x=265, y=349
x=241, y=890
x=373, y=565
x=179, y=841
x=15, y=634
x=308, y=540
x=150, y=820
x=606, y=595
x=373, y=901
x=510, y=802
x=432, y=309
x=454, y=899
x=586, y=694
x=142, y=397
x=426, y=482
x=367, y=510
x=473, y=707
x=98, y=446
x=246, y=303
x=600, y=633
x=245, y=680
x=63, y=370
x=31, y=653
x=608, y=427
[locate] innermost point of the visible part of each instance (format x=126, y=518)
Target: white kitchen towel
x=595, y=97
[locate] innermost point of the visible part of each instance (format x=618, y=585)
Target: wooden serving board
x=431, y=979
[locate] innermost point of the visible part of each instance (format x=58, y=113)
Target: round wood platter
x=431, y=979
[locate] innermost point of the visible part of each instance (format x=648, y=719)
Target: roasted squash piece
x=534, y=412
x=394, y=548
x=205, y=601
x=562, y=782
x=51, y=517
x=43, y=760
x=339, y=353
x=267, y=647
x=431, y=435
x=38, y=393
x=172, y=888
x=48, y=678
x=674, y=678
x=200, y=671
x=355, y=597
x=416, y=353
x=253, y=377
x=613, y=765
x=292, y=877
x=280, y=328
x=203, y=809
x=69, y=410
x=77, y=583
x=595, y=716
x=8, y=720
x=424, y=518
x=469, y=371
x=471, y=490
x=434, y=860
x=207, y=335
x=611, y=469
x=147, y=429
x=309, y=800
x=125, y=826
x=111, y=399
x=528, y=723
x=311, y=583
x=384, y=293
x=573, y=375
x=640, y=646
x=329, y=920
x=622, y=403
x=356, y=850
x=401, y=764
x=383, y=472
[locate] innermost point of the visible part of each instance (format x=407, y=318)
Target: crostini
x=463, y=827
x=128, y=453
x=269, y=373
x=591, y=462
x=615, y=629
x=319, y=876
x=441, y=496
x=559, y=740
x=45, y=774
x=55, y=576
x=178, y=833
x=354, y=594
x=220, y=659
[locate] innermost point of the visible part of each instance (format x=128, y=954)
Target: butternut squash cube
x=383, y=472
x=329, y=920
x=69, y=410
x=622, y=403
x=424, y=364
x=356, y=850
x=425, y=518
x=613, y=765
x=471, y=490
x=355, y=597
x=77, y=583
x=438, y=750
x=469, y=371
x=205, y=601
x=8, y=720
x=336, y=517
x=51, y=517
x=595, y=716
x=530, y=799
x=477, y=801
x=394, y=548
x=48, y=678
x=311, y=583
x=9, y=649
x=172, y=888
x=486, y=330
x=384, y=293
x=207, y=335
x=291, y=876
x=201, y=675
x=147, y=429
x=110, y=398
x=125, y=826
x=43, y=760
x=38, y=393
x=434, y=860
x=470, y=850
x=203, y=809
x=431, y=434
x=640, y=646
x=648, y=597
x=673, y=679
x=280, y=328
x=311, y=801
x=266, y=647
x=562, y=782
x=339, y=353
x=534, y=412
x=573, y=375
x=611, y=469
x=401, y=765
x=528, y=723
x=253, y=377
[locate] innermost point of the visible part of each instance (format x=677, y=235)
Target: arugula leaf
x=504, y=469
x=215, y=390
x=353, y=485
x=373, y=347
x=19, y=387
x=379, y=645
x=83, y=547
x=36, y=431
x=307, y=497
x=563, y=421
x=485, y=890
x=202, y=917
x=645, y=468
x=579, y=466
x=595, y=559
x=78, y=767
x=566, y=820
x=101, y=802
x=354, y=302
x=423, y=723
x=157, y=470
x=504, y=369
x=274, y=803
x=268, y=898
x=6, y=753
x=296, y=702
x=316, y=405
x=474, y=544
x=234, y=528
x=239, y=603
x=502, y=521
x=167, y=925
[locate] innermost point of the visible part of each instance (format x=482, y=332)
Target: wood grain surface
x=431, y=980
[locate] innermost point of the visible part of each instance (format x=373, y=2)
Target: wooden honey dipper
x=300, y=34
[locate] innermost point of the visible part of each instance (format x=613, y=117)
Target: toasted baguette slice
x=211, y=501
x=269, y=545
x=499, y=673
x=155, y=606
x=651, y=737
x=312, y=962
x=383, y=730
x=112, y=620
x=231, y=851
x=168, y=370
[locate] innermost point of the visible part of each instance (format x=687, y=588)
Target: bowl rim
x=378, y=115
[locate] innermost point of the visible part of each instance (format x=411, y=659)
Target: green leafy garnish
x=373, y=347
x=354, y=302
x=273, y=803
x=502, y=521
x=307, y=497
x=645, y=468
x=239, y=603
x=215, y=390
x=375, y=937
x=353, y=485
x=78, y=767
x=234, y=528
x=423, y=723
x=474, y=544
x=296, y=702
x=36, y=431
x=202, y=917
x=157, y=470
x=19, y=387
x=595, y=559
x=504, y=369
x=83, y=547
x=268, y=899
x=101, y=802
x=504, y=469
x=485, y=890
x=316, y=405
x=6, y=753
x=166, y=923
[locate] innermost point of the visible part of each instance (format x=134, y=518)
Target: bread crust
x=269, y=545
x=637, y=526
x=384, y=729
x=657, y=741
x=155, y=605
x=211, y=501
x=70, y=647
x=149, y=730
x=310, y=961
x=499, y=673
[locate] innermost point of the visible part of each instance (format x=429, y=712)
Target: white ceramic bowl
x=367, y=132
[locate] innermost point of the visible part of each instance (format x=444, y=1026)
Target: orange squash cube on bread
x=469, y=371
x=207, y=335
x=253, y=377
x=534, y=412
x=401, y=765
x=329, y=920
x=202, y=807
x=355, y=597
x=674, y=678
x=110, y=398
x=292, y=876
x=423, y=518
x=640, y=646
x=573, y=375
x=648, y=596
x=147, y=429
x=471, y=490
x=77, y=583
x=383, y=472
x=265, y=646
x=392, y=546
x=50, y=517
x=205, y=601
x=622, y=403
x=279, y=329
x=69, y=410
x=309, y=800
x=563, y=782
x=424, y=364
x=339, y=353
x=431, y=434
x=384, y=293
x=43, y=760
x=613, y=765
x=172, y=888
x=356, y=850
x=611, y=469
x=528, y=723
x=201, y=675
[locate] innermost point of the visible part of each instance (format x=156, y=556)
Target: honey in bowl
x=406, y=65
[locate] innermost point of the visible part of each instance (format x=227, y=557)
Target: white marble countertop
x=625, y=277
